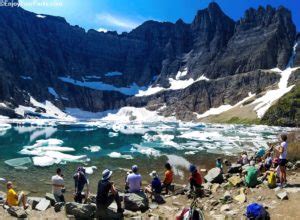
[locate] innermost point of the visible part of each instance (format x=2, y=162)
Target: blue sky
x=124, y=15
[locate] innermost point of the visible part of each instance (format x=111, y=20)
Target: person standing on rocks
x=107, y=193
x=58, y=186
x=14, y=199
x=168, y=178
x=195, y=178
x=80, y=181
x=134, y=180
x=282, y=151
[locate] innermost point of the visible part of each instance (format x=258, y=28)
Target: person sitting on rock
x=243, y=159
x=14, y=199
x=107, y=192
x=80, y=181
x=268, y=161
x=58, y=186
x=195, y=179
x=134, y=180
x=251, y=175
x=168, y=178
x=155, y=187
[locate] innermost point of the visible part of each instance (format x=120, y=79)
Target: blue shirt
x=156, y=185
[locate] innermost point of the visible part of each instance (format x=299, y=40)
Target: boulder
x=282, y=195
x=136, y=201
x=17, y=212
x=297, y=164
x=51, y=198
x=214, y=175
x=81, y=211
x=289, y=165
x=235, y=168
x=58, y=206
x=227, y=197
x=43, y=205
x=33, y=201
x=235, y=180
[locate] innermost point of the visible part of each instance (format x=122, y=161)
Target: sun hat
x=106, y=174
x=153, y=174
x=134, y=168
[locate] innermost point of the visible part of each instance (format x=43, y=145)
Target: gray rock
x=58, y=206
x=17, y=212
x=33, y=201
x=43, y=205
x=51, y=198
x=136, y=201
x=83, y=211
x=297, y=164
x=214, y=175
x=282, y=195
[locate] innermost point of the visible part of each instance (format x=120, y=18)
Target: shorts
x=282, y=162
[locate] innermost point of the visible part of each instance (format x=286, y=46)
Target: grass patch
x=237, y=120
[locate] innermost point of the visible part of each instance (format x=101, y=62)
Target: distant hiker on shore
x=107, y=193
x=168, y=178
x=134, y=180
x=155, y=186
x=282, y=151
x=195, y=179
x=219, y=163
x=14, y=199
x=58, y=186
x=80, y=181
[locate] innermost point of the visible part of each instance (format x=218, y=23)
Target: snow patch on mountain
x=53, y=92
x=131, y=90
x=114, y=73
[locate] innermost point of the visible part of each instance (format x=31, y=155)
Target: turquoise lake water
x=118, y=146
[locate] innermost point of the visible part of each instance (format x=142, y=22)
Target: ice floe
x=93, y=148
x=18, y=162
x=119, y=155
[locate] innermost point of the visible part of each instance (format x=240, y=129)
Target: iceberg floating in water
x=18, y=162
x=44, y=161
x=119, y=155
x=93, y=148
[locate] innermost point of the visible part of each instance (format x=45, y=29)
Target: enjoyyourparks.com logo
x=39, y=3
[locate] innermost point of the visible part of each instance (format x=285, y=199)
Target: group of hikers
x=271, y=163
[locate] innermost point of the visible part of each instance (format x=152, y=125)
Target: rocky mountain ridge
x=211, y=62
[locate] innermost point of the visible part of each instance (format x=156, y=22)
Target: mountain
x=177, y=68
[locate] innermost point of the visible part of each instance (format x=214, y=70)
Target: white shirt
x=284, y=146
x=134, y=182
x=57, y=180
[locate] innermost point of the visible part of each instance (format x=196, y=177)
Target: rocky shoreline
x=226, y=199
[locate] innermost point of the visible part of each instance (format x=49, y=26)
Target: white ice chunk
x=18, y=162
x=44, y=161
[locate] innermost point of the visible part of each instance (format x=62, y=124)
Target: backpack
x=251, y=177
x=257, y=212
x=272, y=180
